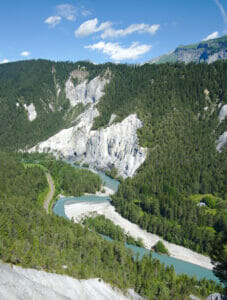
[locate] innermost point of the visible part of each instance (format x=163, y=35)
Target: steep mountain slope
x=163, y=124
x=206, y=51
x=33, y=239
x=35, y=99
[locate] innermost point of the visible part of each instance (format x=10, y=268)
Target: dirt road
x=50, y=193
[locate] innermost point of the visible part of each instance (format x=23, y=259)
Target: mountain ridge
x=205, y=51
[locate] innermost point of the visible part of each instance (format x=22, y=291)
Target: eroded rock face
x=223, y=113
x=216, y=296
x=221, y=142
x=84, y=92
x=205, y=51
x=115, y=146
x=32, y=114
x=18, y=283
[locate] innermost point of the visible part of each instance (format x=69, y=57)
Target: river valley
x=184, y=260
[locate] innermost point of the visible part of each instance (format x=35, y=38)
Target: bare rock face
x=84, y=92
x=221, y=142
x=18, y=283
x=206, y=51
x=32, y=114
x=114, y=146
x=216, y=296
x=223, y=113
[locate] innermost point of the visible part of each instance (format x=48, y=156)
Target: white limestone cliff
x=223, y=113
x=18, y=283
x=221, y=142
x=114, y=146
x=85, y=92
x=32, y=114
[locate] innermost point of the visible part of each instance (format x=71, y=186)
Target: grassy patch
x=41, y=197
x=32, y=165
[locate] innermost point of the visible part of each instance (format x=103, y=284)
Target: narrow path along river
x=184, y=260
x=51, y=192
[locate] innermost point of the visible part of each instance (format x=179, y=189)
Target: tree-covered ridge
x=179, y=105
x=42, y=83
x=31, y=238
x=68, y=180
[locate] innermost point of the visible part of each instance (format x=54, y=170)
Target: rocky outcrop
x=115, y=146
x=188, y=55
x=18, y=283
x=217, y=296
x=84, y=91
x=223, y=113
x=206, y=51
x=32, y=114
x=221, y=142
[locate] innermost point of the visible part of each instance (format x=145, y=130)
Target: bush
x=160, y=248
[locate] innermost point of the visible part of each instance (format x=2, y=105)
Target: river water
x=180, y=266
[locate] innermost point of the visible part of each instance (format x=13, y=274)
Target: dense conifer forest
x=179, y=106
x=31, y=238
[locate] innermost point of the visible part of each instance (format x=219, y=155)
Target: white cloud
x=91, y=26
x=140, y=28
x=223, y=13
x=52, y=21
x=118, y=53
x=25, y=53
x=67, y=11
x=4, y=61
x=85, y=12
x=87, y=28
x=211, y=36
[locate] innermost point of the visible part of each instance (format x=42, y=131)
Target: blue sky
x=130, y=31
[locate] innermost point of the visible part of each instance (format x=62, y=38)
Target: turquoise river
x=180, y=266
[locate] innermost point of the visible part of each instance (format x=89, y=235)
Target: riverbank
x=105, y=191
x=78, y=210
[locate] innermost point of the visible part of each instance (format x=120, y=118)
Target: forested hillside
x=41, y=83
x=31, y=238
x=179, y=106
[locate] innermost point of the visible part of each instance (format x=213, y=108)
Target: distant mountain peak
x=205, y=51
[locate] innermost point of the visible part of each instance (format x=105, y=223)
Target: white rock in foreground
x=78, y=210
x=221, y=142
x=29, y=284
x=32, y=114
